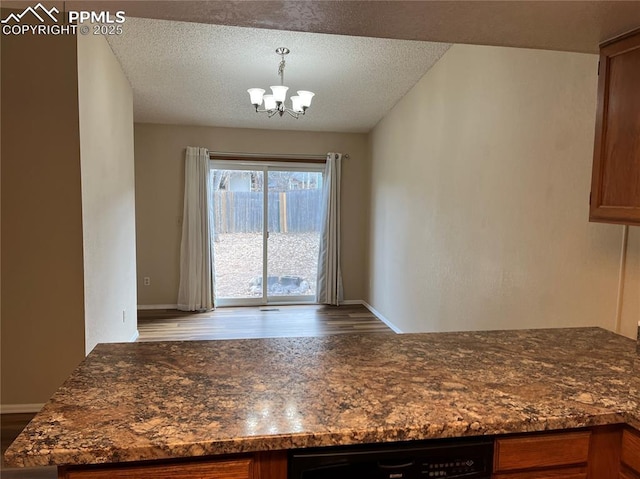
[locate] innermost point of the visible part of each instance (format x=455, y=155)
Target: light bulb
x=256, y=96
x=279, y=93
x=296, y=104
x=269, y=102
x=305, y=98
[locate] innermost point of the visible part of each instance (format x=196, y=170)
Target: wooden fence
x=296, y=211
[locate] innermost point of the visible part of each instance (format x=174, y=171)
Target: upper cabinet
x=615, y=184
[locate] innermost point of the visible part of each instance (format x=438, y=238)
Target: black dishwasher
x=442, y=458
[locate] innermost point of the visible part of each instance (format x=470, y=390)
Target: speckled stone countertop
x=142, y=401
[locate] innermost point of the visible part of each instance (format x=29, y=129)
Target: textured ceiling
x=555, y=25
x=198, y=74
x=568, y=25
x=573, y=25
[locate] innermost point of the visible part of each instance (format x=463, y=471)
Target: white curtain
x=329, y=281
x=196, y=253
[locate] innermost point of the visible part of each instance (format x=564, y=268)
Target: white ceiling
x=198, y=74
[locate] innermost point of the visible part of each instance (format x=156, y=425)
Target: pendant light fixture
x=275, y=102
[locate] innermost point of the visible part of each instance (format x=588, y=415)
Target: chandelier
x=274, y=103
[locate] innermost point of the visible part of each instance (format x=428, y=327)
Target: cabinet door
x=631, y=450
x=541, y=451
x=628, y=474
x=240, y=468
x=615, y=185
x=565, y=473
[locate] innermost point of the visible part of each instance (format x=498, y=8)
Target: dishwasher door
x=460, y=458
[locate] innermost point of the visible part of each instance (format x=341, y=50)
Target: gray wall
x=68, y=244
x=159, y=158
x=42, y=278
x=108, y=194
x=479, y=206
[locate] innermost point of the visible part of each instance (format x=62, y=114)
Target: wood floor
x=253, y=322
x=223, y=323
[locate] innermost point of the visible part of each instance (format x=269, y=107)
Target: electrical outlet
x=146, y=281
x=124, y=316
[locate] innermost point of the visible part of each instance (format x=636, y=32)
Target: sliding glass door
x=238, y=233
x=293, y=234
x=266, y=221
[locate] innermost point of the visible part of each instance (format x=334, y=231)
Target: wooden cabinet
x=265, y=465
x=559, y=473
x=542, y=456
x=630, y=455
x=615, y=184
x=216, y=469
x=606, y=452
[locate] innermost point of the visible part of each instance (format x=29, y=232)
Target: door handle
x=400, y=465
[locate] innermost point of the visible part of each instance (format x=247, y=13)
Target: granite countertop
x=143, y=401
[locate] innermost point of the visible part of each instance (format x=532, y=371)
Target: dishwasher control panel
x=441, y=458
x=460, y=467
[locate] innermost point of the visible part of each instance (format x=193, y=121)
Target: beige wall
x=42, y=279
x=159, y=159
x=108, y=198
x=630, y=312
x=479, y=205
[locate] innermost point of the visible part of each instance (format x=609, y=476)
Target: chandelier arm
x=292, y=113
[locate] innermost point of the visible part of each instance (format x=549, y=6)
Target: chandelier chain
x=281, y=70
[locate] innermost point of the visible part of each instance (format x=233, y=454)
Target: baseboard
x=135, y=336
x=20, y=408
x=157, y=306
x=379, y=315
x=351, y=301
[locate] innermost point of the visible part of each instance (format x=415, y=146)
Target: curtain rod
x=223, y=154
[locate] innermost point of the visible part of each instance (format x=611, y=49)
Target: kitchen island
x=169, y=400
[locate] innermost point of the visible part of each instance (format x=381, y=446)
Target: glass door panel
x=294, y=209
x=238, y=240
